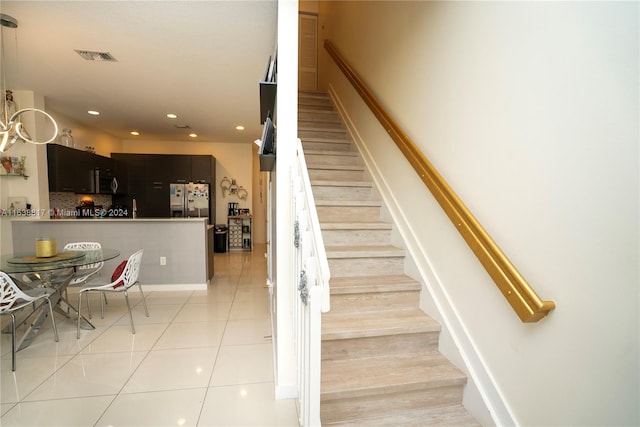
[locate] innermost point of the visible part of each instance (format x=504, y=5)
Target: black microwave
x=105, y=182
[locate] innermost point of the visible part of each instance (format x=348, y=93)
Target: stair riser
x=331, y=126
x=331, y=159
x=317, y=108
x=315, y=116
x=348, y=213
x=311, y=134
x=379, y=346
x=327, y=145
x=350, y=267
x=381, y=313
x=340, y=175
x=356, y=237
x=322, y=192
x=387, y=404
x=374, y=301
x=313, y=102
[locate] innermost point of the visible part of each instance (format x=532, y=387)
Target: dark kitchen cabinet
x=181, y=169
x=135, y=166
x=157, y=180
x=193, y=168
x=121, y=172
x=203, y=169
x=150, y=176
x=105, y=164
x=72, y=170
x=86, y=164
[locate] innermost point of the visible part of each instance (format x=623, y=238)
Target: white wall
x=35, y=188
x=83, y=136
x=530, y=112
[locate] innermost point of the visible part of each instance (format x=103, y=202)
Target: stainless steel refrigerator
x=190, y=200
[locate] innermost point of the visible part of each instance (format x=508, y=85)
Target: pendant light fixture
x=11, y=128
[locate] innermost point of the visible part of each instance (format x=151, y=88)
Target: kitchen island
x=177, y=251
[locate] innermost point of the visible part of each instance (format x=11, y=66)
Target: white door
x=307, y=52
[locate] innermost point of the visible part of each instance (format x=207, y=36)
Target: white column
x=287, y=122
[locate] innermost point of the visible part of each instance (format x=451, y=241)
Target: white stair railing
x=311, y=269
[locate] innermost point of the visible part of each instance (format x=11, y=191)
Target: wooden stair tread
x=366, y=284
x=314, y=105
x=330, y=153
x=361, y=324
x=358, y=168
x=313, y=93
x=372, y=251
x=334, y=145
x=331, y=129
x=320, y=123
x=444, y=416
x=375, y=203
x=367, y=376
x=339, y=145
x=360, y=225
x=379, y=349
x=329, y=183
x=314, y=97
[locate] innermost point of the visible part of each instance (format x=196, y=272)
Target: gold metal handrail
x=524, y=300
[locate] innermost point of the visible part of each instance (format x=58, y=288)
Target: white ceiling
x=199, y=59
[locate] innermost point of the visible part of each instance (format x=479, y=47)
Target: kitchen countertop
x=91, y=220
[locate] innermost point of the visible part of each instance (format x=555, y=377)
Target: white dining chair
x=86, y=272
x=13, y=299
x=119, y=283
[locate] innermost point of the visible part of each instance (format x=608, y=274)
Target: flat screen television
x=268, y=88
x=267, y=151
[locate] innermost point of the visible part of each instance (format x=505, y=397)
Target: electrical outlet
x=163, y=260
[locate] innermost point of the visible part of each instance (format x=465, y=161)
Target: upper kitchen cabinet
x=172, y=168
x=150, y=177
x=159, y=168
x=203, y=169
x=72, y=170
x=185, y=168
x=181, y=169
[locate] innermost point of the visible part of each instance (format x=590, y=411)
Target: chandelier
x=12, y=129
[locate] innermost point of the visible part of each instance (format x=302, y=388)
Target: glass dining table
x=52, y=272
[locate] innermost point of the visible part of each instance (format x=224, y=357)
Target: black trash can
x=220, y=238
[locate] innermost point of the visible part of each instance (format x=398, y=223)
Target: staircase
x=380, y=359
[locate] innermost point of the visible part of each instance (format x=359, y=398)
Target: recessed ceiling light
x=134, y=133
x=239, y=127
x=193, y=135
x=172, y=116
x=93, y=112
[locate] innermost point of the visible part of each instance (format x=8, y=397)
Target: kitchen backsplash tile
x=69, y=201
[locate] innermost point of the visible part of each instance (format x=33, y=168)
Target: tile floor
x=202, y=358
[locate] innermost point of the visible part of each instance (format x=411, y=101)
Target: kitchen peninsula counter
x=183, y=242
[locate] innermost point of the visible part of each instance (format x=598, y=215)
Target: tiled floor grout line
x=226, y=323
x=72, y=356
x=236, y=294
x=124, y=384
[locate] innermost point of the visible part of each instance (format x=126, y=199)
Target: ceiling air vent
x=96, y=56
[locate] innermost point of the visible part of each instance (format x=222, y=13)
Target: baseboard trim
x=286, y=392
